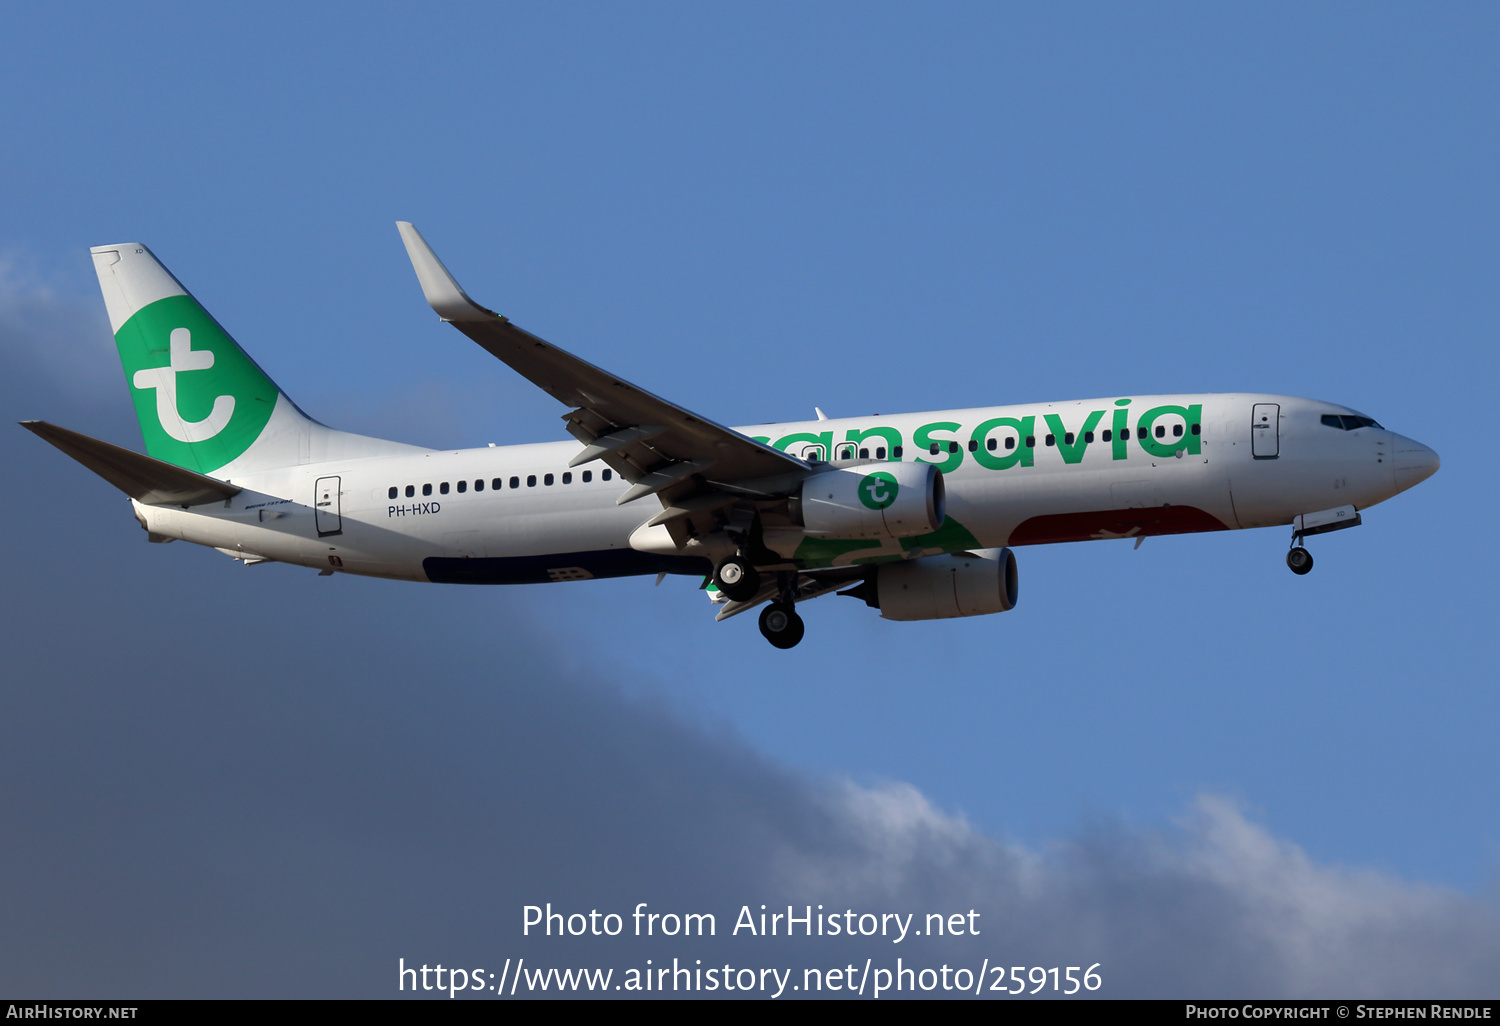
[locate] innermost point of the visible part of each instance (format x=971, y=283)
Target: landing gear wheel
x=781, y=625
x=1300, y=561
x=737, y=579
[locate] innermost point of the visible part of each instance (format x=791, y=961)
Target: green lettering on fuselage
x=952, y=454
x=823, y=439
x=891, y=435
x=1073, y=452
x=1019, y=452
x=1183, y=431
x=1190, y=440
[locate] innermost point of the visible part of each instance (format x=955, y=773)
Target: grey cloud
x=62, y=336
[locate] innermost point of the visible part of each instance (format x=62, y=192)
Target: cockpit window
x=1344, y=422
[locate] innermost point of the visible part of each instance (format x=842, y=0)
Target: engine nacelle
x=889, y=500
x=939, y=587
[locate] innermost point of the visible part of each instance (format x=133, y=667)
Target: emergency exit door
x=326, y=507
x=1265, y=431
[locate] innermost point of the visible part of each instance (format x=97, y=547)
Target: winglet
x=443, y=294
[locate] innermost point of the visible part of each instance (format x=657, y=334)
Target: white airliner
x=915, y=514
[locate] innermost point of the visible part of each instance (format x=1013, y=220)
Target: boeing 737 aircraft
x=917, y=514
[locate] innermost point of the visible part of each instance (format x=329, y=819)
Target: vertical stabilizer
x=201, y=401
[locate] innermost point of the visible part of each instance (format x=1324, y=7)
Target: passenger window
x=1197, y=429
x=973, y=445
x=515, y=482
x=1088, y=436
x=605, y=476
x=1125, y=434
x=547, y=480
x=953, y=447
x=498, y=483
x=427, y=489
x=1108, y=435
x=479, y=484
x=392, y=493
x=443, y=488
x=588, y=475
x=1010, y=442
x=1068, y=438
x=990, y=444
x=1051, y=440
x=463, y=486
x=880, y=453
x=1161, y=431
x=933, y=449
x=568, y=478
x=896, y=452
x=530, y=480
x=864, y=454
x=1176, y=430
x=411, y=490
x=1031, y=441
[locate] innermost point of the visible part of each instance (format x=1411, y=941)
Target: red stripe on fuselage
x=1114, y=523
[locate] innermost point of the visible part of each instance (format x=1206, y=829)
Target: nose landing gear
x=1299, y=560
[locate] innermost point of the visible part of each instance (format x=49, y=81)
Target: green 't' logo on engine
x=878, y=490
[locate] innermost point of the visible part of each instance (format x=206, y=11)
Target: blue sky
x=870, y=208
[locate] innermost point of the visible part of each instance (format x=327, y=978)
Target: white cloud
x=1218, y=906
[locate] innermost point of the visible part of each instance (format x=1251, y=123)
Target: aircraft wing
x=689, y=461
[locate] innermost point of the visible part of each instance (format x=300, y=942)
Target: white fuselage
x=1228, y=475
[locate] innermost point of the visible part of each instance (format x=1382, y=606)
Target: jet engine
x=884, y=500
x=940, y=587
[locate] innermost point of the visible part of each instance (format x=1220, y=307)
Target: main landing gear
x=737, y=579
x=781, y=625
x=1299, y=560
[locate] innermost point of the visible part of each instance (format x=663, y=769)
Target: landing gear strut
x=1304, y=525
x=1299, y=560
x=737, y=579
x=781, y=625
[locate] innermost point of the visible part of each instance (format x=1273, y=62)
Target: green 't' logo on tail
x=200, y=400
x=878, y=490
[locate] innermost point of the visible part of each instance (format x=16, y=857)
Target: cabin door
x=1265, y=431
x=326, y=507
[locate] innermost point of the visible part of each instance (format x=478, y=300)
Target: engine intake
x=888, y=500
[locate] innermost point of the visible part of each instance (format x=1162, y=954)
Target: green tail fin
x=201, y=401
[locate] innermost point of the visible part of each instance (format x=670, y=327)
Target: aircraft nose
x=1414, y=463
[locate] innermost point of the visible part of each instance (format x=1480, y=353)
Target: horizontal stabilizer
x=144, y=479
